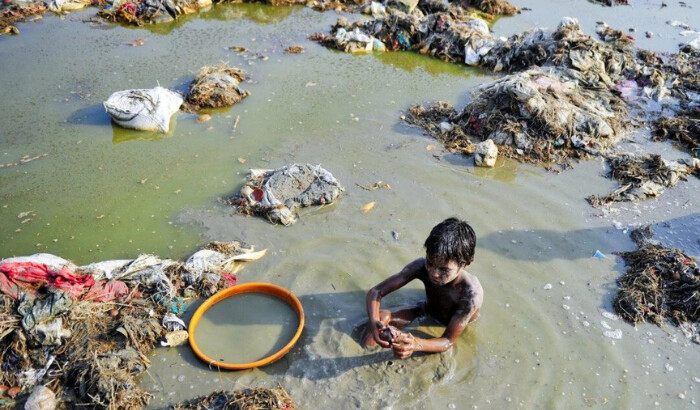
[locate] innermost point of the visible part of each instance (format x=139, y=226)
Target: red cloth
x=230, y=278
x=108, y=291
x=24, y=274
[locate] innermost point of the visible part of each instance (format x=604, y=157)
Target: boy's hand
x=377, y=327
x=404, y=345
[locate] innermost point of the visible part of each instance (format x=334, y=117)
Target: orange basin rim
x=253, y=287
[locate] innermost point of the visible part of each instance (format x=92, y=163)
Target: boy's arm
x=406, y=343
x=390, y=284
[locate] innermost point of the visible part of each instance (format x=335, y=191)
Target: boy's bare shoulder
x=475, y=286
x=415, y=265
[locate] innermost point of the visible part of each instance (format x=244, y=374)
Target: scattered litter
x=294, y=50
x=247, y=399
x=145, y=110
x=609, y=315
x=136, y=43
x=176, y=338
x=368, y=206
x=216, y=87
x=660, y=284
x=668, y=367
x=684, y=128
x=598, y=254
x=150, y=11
x=548, y=286
x=613, y=334
x=204, y=118
x=277, y=193
x=14, y=13
x=375, y=186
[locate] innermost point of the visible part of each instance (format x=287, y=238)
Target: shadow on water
x=546, y=245
x=90, y=115
x=329, y=345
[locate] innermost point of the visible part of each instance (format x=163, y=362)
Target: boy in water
x=453, y=296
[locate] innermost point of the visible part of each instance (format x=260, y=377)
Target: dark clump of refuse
x=661, y=284
x=247, y=399
x=277, y=194
x=642, y=177
x=610, y=3
x=81, y=335
x=214, y=87
x=684, y=128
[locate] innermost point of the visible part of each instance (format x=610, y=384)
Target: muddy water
x=105, y=193
x=245, y=328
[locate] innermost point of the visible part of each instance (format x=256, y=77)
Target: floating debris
x=143, y=109
x=641, y=178
x=277, y=193
x=294, y=50
x=216, y=87
x=661, y=284
x=684, y=128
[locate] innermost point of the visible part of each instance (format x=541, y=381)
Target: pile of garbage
x=449, y=36
x=84, y=332
x=643, y=177
x=216, y=86
x=141, y=12
x=14, y=13
x=144, y=109
x=539, y=116
x=661, y=284
x=247, y=399
x=278, y=193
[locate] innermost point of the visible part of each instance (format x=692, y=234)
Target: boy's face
x=442, y=272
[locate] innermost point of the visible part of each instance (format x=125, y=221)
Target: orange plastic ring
x=253, y=287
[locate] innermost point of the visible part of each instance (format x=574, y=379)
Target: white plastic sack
x=55, y=263
x=144, y=110
x=105, y=269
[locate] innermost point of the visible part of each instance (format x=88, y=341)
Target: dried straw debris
x=661, y=284
x=248, y=399
x=641, y=178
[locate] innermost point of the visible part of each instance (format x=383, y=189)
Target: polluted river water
x=103, y=192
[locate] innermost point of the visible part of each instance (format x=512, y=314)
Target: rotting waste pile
x=83, y=333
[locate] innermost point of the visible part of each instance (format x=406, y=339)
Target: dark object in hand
x=389, y=333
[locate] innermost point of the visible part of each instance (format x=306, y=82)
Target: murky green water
x=245, y=328
x=104, y=193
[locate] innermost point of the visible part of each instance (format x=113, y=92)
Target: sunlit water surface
x=104, y=193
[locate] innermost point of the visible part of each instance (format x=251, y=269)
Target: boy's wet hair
x=451, y=239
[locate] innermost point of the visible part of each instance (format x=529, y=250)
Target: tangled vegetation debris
x=661, y=284
x=216, y=86
x=247, y=399
x=85, y=332
x=641, y=177
x=684, y=128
